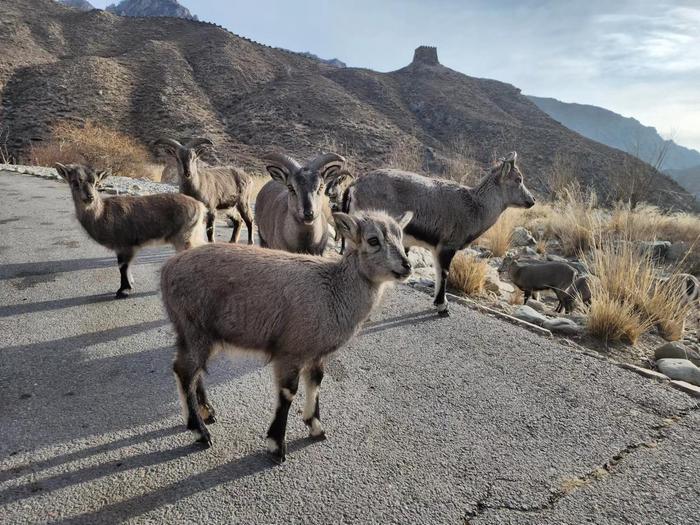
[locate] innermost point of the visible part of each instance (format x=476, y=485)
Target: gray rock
x=528, y=251
x=530, y=315
x=563, y=325
x=553, y=245
x=522, y=237
x=420, y=257
x=677, y=351
x=536, y=305
x=677, y=251
x=473, y=252
x=656, y=249
x=496, y=285
x=680, y=369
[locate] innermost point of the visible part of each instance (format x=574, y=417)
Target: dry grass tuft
x=95, y=145
x=468, y=274
x=570, y=485
x=406, y=155
x=667, y=308
x=498, y=238
x=627, y=299
x=611, y=319
x=575, y=222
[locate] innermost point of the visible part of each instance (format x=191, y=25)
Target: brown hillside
x=153, y=76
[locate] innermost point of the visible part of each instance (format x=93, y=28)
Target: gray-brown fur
x=337, y=193
x=289, y=208
x=447, y=216
x=218, y=187
x=127, y=223
x=531, y=276
x=580, y=290
x=292, y=309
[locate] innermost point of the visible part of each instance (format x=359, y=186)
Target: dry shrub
x=575, y=222
x=647, y=222
x=330, y=144
x=667, y=308
x=5, y=156
x=611, y=319
x=468, y=274
x=95, y=145
x=406, y=155
x=683, y=227
x=627, y=298
x=499, y=236
x=466, y=171
x=561, y=177
x=461, y=166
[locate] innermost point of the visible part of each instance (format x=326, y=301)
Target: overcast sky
x=638, y=58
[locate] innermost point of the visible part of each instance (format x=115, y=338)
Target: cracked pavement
x=429, y=420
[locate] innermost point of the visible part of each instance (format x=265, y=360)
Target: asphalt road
x=429, y=420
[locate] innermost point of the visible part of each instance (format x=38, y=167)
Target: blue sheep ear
x=405, y=219
x=277, y=174
x=101, y=175
x=62, y=170
x=348, y=226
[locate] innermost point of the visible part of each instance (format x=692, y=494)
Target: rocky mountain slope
x=149, y=77
x=151, y=8
x=689, y=178
x=626, y=134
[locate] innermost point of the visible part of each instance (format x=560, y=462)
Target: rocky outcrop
x=151, y=8
x=82, y=5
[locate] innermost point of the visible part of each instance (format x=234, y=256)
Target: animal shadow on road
x=55, y=461
x=92, y=395
x=249, y=465
x=401, y=320
x=56, y=304
x=75, y=477
x=34, y=269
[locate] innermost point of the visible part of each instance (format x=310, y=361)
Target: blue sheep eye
x=373, y=241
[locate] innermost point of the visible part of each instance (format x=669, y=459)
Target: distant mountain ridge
x=617, y=131
x=626, y=134
x=330, y=61
x=83, y=5
x=151, y=8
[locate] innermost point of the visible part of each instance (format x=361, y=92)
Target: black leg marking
x=123, y=260
x=188, y=375
x=288, y=384
x=206, y=411
x=247, y=215
x=527, y=294
x=211, y=217
x=312, y=412
x=445, y=257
